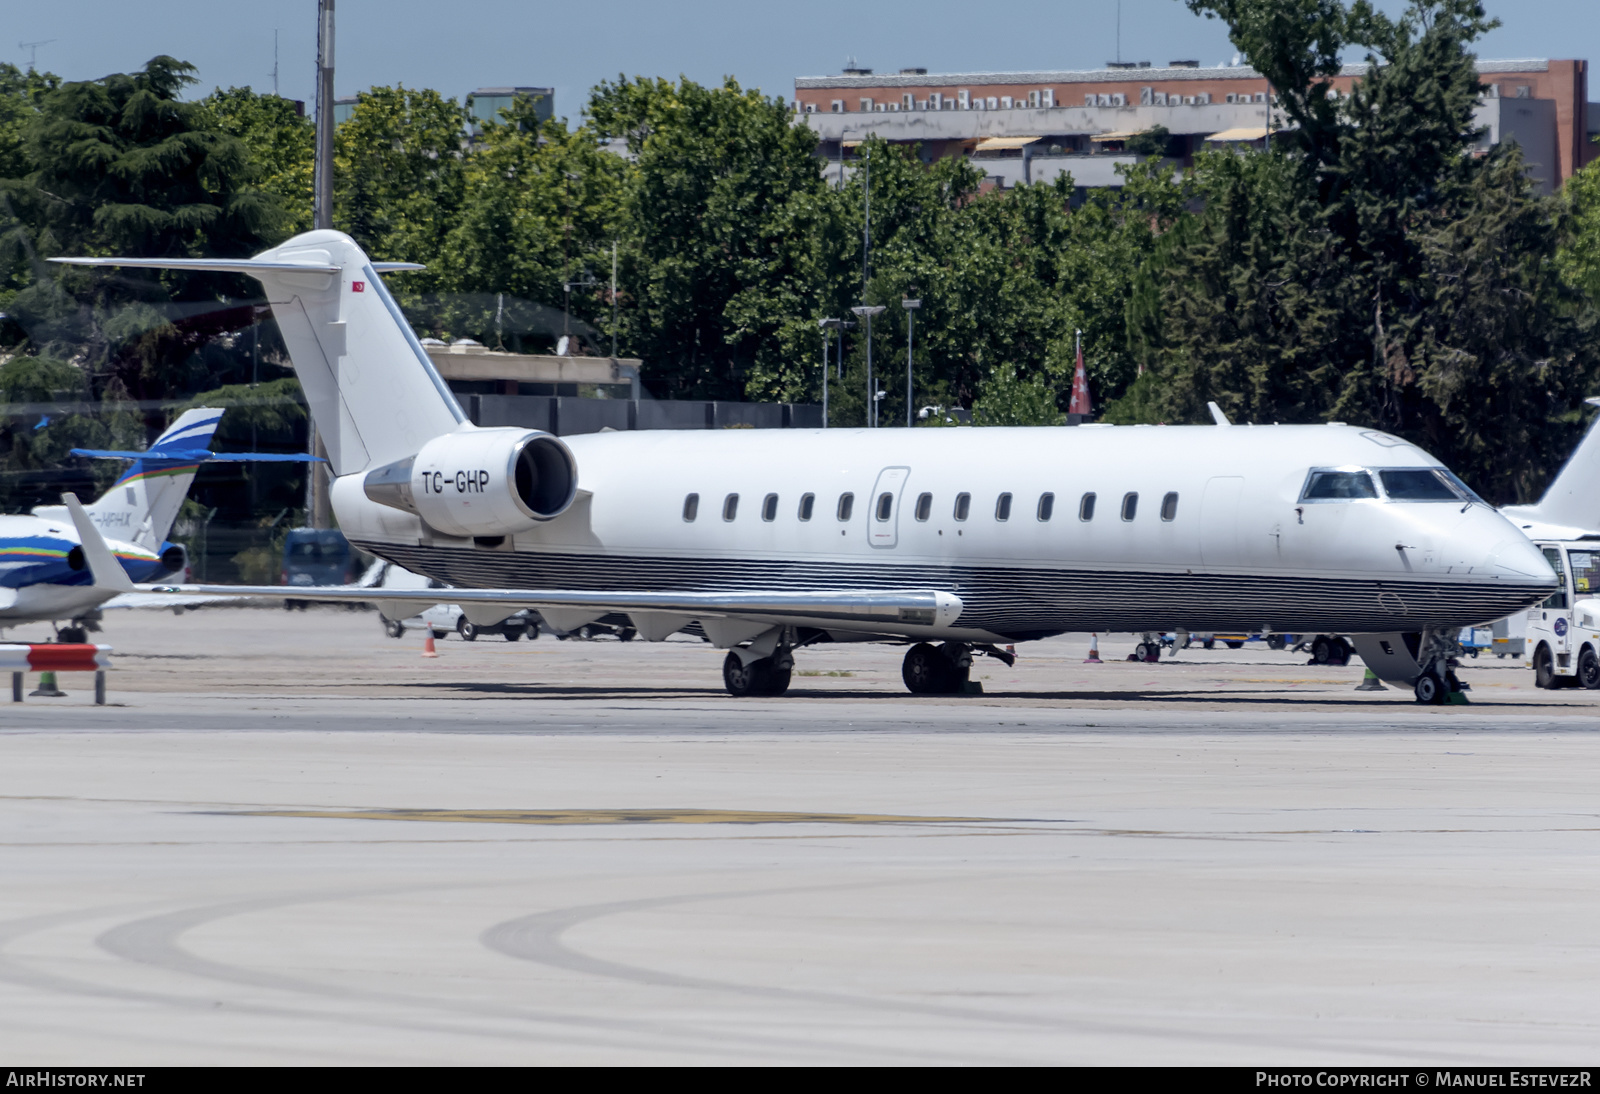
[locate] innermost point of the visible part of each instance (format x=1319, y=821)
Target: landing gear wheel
x=466, y=630
x=1589, y=669
x=760, y=677
x=1428, y=688
x=1544, y=670
x=926, y=671
x=394, y=628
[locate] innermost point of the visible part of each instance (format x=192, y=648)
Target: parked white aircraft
x=771, y=541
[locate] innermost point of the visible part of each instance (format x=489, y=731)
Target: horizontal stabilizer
x=862, y=607
x=197, y=455
x=215, y=265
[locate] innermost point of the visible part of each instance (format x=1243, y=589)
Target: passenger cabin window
x=1338, y=486
x=924, y=506
x=1047, y=506
x=769, y=508
x=1086, y=508
x=1002, y=507
x=1417, y=484
x=730, y=506
x=847, y=504
x=963, y=506
x=1169, y=507
x=691, y=507
x=1130, y=506
x=885, y=506
x=807, y=503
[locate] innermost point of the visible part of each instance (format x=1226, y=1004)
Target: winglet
x=1217, y=415
x=103, y=565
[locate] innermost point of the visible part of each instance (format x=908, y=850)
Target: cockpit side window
x=1340, y=485
x=1417, y=484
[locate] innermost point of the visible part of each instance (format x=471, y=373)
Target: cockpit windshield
x=1408, y=484
x=1416, y=484
x=1339, y=485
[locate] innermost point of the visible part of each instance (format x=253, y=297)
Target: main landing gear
x=758, y=676
x=945, y=669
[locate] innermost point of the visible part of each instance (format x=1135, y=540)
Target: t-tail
x=373, y=393
x=380, y=407
x=141, y=505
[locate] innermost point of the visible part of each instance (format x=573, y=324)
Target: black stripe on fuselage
x=1013, y=601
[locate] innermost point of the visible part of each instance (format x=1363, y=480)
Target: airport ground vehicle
x=1562, y=632
x=318, y=556
x=442, y=619
x=958, y=538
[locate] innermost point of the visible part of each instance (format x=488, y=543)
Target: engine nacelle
x=481, y=482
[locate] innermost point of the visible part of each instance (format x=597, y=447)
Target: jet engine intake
x=481, y=482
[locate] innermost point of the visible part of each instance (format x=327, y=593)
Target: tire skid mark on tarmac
x=153, y=941
x=537, y=938
x=598, y=1033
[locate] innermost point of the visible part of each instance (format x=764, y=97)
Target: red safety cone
x=1094, y=650
x=427, y=646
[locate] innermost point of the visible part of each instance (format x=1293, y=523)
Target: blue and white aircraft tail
x=141, y=505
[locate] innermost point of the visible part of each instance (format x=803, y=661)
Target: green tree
x=280, y=143
x=718, y=228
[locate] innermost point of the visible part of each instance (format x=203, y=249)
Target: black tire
x=466, y=630
x=1235, y=645
x=394, y=628
x=1342, y=652
x=626, y=634
x=758, y=678
x=438, y=635
x=1589, y=669
x=1322, y=651
x=1275, y=642
x=512, y=633
x=1428, y=689
x=1209, y=643
x=926, y=671
x=1544, y=669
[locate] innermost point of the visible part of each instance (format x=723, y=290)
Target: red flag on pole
x=1080, y=385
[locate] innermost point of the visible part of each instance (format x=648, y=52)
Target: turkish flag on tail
x=1080, y=388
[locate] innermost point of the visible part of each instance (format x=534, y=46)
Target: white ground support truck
x=1563, y=633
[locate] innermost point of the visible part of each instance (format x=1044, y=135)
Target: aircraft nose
x=1520, y=560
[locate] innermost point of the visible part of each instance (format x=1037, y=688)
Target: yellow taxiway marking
x=612, y=816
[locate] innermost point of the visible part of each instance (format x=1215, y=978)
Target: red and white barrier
x=55, y=657
x=50, y=658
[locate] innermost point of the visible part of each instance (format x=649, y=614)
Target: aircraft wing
x=861, y=608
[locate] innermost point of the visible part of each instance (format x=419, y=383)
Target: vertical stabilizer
x=1572, y=499
x=142, y=505
x=373, y=393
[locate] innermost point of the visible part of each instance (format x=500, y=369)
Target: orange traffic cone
x=427, y=646
x=1094, y=650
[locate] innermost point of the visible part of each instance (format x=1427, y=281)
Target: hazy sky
x=457, y=46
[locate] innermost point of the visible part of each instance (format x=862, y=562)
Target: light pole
x=867, y=311
x=911, y=307
x=826, y=325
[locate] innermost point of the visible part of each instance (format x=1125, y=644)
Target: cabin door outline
x=883, y=517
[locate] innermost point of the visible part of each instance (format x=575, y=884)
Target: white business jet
x=948, y=540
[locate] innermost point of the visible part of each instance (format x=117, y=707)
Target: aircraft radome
x=948, y=540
